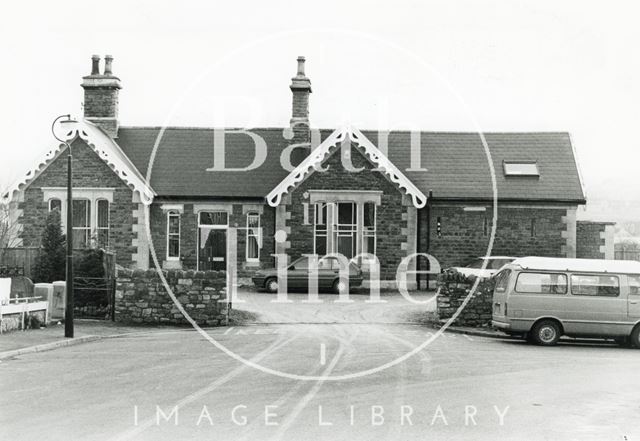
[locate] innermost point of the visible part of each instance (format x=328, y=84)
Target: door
x=212, y=249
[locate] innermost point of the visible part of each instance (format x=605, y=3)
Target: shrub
x=50, y=264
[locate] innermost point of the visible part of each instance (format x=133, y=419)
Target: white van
x=543, y=298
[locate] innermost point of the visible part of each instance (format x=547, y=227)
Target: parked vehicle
x=491, y=266
x=545, y=298
x=298, y=276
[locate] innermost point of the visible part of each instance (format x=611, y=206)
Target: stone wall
x=142, y=298
x=465, y=231
x=453, y=290
x=594, y=240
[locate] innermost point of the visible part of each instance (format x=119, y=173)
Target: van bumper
x=500, y=325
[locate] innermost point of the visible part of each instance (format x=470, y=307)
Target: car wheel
x=635, y=337
x=546, y=333
x=271, y=285
x=339, y=287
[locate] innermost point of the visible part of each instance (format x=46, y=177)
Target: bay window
x=345, y=227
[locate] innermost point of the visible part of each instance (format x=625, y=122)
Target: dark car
x=298, y=276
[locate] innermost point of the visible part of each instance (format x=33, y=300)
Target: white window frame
x=352, y=230
x=258, y=237
x=325, y=232
x=87, y=229
x=366, y=234
x=97, y=224
x=171, y=213
x=92, y=194
x=333, y=232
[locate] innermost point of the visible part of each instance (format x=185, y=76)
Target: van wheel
x=271, y=285
x=635, y=337
x=546, y=333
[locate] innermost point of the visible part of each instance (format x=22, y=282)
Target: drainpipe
x=428, y=241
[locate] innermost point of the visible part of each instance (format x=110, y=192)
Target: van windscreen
x=541, y=283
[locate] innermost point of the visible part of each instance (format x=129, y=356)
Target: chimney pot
x=301, y=61
x=95, y=65
x=108, y=59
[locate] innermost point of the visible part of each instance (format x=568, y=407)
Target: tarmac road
x=458, y=387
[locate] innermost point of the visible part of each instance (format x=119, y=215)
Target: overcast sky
x=442, y=66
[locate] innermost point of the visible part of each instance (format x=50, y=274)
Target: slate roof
x=456, y=163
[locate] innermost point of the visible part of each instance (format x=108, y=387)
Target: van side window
x=634, y=285
x=502, y=280
x=595, y=285
x=542, y=283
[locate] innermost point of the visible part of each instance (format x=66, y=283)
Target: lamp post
x=68, y=311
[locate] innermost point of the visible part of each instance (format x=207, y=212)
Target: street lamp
x=68, y=313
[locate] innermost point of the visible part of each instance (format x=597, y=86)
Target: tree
x=8, y=226
x=50, y=264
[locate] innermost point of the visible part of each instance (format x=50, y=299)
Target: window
x=634, y=285
x=173, y=235
x=542, y=283
x=55, y=204
x=253, y=237
x=595, y=285
x=301, y=264
x=81, y=223
x=369, y=228
x=102, y=223
x=502, y=280
x=523, y=168
x=215, y=218
x=320, y=229
x=347, y=229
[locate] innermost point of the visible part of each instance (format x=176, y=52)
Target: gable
x=86, y=134
x=330, y=147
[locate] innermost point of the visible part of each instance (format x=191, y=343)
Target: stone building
x=214, y=196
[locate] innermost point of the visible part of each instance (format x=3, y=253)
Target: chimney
x=301, y=88
x=101, y=96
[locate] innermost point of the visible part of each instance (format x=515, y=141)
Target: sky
x=454, y=65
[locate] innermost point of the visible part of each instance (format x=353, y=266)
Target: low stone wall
x=142, y=298
x=454, y=289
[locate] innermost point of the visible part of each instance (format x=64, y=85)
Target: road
x=457, y=387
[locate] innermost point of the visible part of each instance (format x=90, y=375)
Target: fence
x=24, y=258
x=94, y=296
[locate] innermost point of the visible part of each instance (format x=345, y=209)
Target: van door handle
x=634, y=303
